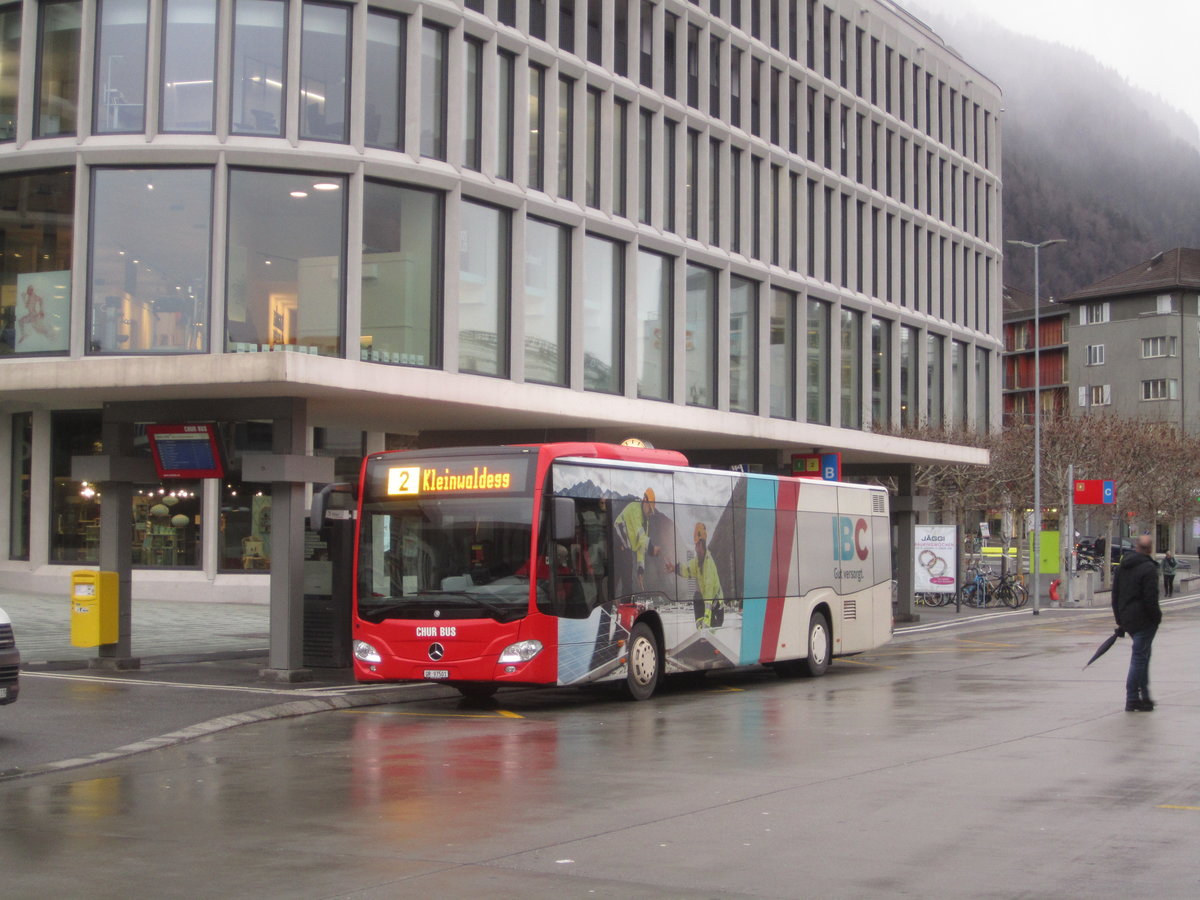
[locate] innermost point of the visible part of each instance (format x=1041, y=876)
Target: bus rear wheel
x=820, y=647
x=643, y=662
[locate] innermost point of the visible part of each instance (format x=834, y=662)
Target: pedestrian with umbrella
x=1135, y=606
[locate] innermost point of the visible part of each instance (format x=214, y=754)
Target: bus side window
x=574, y=580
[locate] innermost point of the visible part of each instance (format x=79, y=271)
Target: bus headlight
x=365, y=652
x=522, y=651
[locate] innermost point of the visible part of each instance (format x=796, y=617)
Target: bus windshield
x=449, y=558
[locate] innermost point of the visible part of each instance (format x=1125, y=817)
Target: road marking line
x=1172, y=806
x=498, y=714
x=288, y=692
x=859, y=662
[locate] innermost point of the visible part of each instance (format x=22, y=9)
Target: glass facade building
x=432, y=218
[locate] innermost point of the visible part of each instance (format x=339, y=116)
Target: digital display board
x=409, y=481
x=186, y=451
x=408, y=476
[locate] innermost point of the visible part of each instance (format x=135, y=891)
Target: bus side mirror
x=320, y=503
x=564, y=519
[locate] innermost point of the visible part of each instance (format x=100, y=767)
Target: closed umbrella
x=1104, y=647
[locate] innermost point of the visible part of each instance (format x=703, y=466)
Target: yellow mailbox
x=93, y=608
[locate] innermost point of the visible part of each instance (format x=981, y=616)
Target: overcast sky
x=1153, y=43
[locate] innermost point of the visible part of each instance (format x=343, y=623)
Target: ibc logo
x=847, y=539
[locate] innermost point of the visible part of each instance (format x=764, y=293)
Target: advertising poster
x=936, y=570
x=42, y=313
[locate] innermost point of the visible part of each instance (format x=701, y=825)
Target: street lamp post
x=1035, y=561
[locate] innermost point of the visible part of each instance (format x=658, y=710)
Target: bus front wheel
x=643, y=662
x=819, y=647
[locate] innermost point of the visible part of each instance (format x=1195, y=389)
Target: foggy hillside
x=1087, y=157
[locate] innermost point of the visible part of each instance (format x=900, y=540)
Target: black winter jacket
x=1135, y=593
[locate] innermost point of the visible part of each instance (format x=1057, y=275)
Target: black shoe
x=1147, y=705
x=1139, y=705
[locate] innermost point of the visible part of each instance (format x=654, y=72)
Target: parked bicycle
x=1010, y=591
x=977, y=592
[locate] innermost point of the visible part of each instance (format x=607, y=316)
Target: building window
x=851, y=356
x=1160, y=389
x=620, y=157
x=668, y=178
x=383, y=120
x=701, y=339
x=259, y=70
x=473, y=105
x=1164, y=304
x=983, y=409
x=881, y=373
x=595, y=31
x=74, y=505
x=783, y=354
x=10, y=63
x=646, y=45
x=1095, y=395
x=401, y=275
x=20, y=485
x=120, y=80
x=566, y=126
x=603, y=288
x=621, y=38
x=1095, y=354
x=715, y=182
x=506, y=120
x=483, y=289
x=189, y=66
x=150, y=252
x=325, y=72
x=245, y=532
x=958, y=382
x=58, y=68
x=547, y=300
x=284, y=264
x=537, y=127
x=537, y=19
x=693, y=66
x=693, y=184
x=566, y=26
x=1094, y=313
x=714, y=77
x=743, y=345
x=646, y=164
x=592, y=186
x=935, y=367
x=670, y=55
x=434, y=41
x=653, y=339
x=908, y=377
x=1154, y=347
x=817, y=363
x=35, y=269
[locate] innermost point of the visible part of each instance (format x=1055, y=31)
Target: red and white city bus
x=573, y=563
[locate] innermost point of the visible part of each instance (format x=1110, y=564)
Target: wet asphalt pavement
x=954, y=762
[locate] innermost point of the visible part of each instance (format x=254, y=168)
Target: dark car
x=1091, y=547
x=10, y=662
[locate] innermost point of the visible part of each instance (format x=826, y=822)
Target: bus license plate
x=437, y=673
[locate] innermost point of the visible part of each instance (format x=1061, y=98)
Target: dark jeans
x=1137, y=682
x=1168, y=585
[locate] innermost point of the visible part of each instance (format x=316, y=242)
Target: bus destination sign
x=412, y=481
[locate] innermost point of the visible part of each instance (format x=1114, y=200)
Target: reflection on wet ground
x=711, y=789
